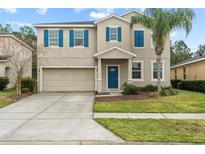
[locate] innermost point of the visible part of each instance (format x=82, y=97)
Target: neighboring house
x=97, y=56
x=11, y=49
x=191, y=69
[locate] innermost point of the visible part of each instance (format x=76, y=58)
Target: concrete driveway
x=53, y=117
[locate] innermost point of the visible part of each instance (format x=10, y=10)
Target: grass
x=4, y=101
x=184, y=102
x=152, y=130
x=8, y=92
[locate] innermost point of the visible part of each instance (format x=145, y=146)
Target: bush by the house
x=4, y=81
x=149, y=88
x=25, y=90
x=193, y=85
x=168, y=91
x=28, y=83
x=130, y=89
x=175, y=83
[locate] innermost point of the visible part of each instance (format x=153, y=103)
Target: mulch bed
x=18, y=97
x=142, y=95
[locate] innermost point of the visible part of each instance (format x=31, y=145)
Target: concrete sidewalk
x=150, y=115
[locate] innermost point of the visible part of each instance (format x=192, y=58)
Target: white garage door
x=68, y=79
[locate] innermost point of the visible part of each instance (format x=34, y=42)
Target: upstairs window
x=79, y=37
x=53, y=37
x=113, y=34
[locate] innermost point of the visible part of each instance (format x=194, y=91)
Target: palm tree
x=161, y=22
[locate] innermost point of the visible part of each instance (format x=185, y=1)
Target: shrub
x=25, y=90
x=154, y=94
x=193, y=85
x=149, y=88
x=175, y=83
x=29, y=83
x=168, y=91
x=4, y=81
x=130, y=89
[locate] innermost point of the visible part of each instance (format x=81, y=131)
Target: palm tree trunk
x=158, y=73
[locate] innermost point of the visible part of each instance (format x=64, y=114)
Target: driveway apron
x=53, y=117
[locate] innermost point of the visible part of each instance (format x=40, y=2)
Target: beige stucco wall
x=14, y=46
x=194, y=71
x=101, y=34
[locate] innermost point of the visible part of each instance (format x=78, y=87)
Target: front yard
x=184, y=102
x=8, y=96
x=152, y=130
x=4, y=97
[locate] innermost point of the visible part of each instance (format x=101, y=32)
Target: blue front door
x=112, y=77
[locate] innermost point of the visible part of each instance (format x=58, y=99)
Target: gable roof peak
x=135, y=11
x=111, y=16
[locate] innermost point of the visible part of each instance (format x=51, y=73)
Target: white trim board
x=60, y=26
x=107, y=77
x=111, y=16
x=132, y=11
x=127, y=52
x=68, y=66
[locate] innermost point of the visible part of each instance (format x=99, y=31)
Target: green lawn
x=4, y=101
x=152, y=130
x=185, y=102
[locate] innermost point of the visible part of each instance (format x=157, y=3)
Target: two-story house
x=98, y=55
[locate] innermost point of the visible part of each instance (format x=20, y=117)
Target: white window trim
x=108, y=89
x=52, y=46
x=138, y=29
x=142, y=70
x=113, y=41
x=80, y=46
x=163, y=70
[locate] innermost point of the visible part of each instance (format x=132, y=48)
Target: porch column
x=129, y=70
x=99, y=75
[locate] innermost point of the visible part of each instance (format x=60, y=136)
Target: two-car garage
x=67, y=79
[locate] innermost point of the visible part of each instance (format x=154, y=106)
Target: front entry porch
x=114, y=69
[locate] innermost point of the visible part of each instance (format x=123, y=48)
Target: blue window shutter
x=71, y=38
x=135, y=38
x=60, y=39
x=119, y=34
x=139, y=38
x=45, y=38
x=86, y=38
x=142, y=39
x=107, y=34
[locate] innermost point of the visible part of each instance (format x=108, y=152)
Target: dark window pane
x=136, y=75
